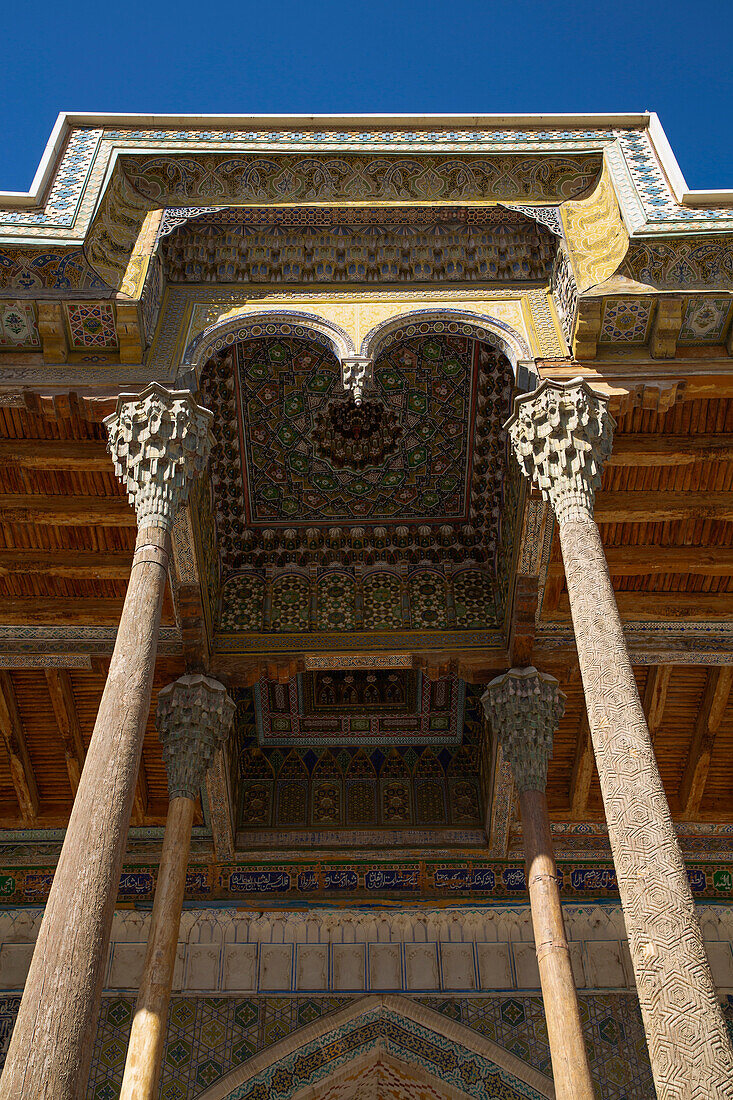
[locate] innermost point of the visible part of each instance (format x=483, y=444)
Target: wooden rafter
x=13, y=734
x=655, y=696
x=675, y=606
x=658, y=507
x=582, y=770
x=637, y=561
x=82, y=612
x=71, y=564
x=66, y=511
x=64, y=708
x=141, y=803
x=670, y=450
x=709, y=718
x=523, y=626
x=55, y=454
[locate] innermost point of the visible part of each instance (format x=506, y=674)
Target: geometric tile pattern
x=92, y=325
x=207, y=1037
x=612, y=1025
x=625, y=321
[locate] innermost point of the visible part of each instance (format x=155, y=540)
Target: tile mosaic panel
x=18, y=325
x=704, y=320
x=208, y=1037
x=625, y=321
x=91, y=325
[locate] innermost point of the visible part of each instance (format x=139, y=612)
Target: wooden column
x=524, y=707
x=562, y=435
x=194, y=717
x=158, y=441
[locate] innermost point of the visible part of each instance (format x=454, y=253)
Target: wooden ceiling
x=66, y=538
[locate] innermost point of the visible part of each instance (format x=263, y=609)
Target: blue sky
x=479, y=56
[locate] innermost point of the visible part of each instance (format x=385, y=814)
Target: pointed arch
x=429, y=1049
x=447, y=322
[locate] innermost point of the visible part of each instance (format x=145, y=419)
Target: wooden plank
x=64, y=707
x=659, y=507
x=655, y=696
x=639, y=561
x=66, y=511
x=56, y=454
x=523, y=626
x=13, y=734
x=710, y=716
x=638, y=449
x=109, y=566
x=583, y=768
x=73, y=610
x=671, y=606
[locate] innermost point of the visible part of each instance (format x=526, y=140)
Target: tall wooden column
x=524, y=707
x=562, y=434
x=158, y=440
x=194, y=718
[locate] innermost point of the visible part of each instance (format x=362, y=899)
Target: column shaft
x=690, y=1053
x=145, y=1051
x=570, y=1068
x=51, y=1047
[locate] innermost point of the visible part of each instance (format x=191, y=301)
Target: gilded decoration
x=287, y=177
x=358, y=245
x=596, y=236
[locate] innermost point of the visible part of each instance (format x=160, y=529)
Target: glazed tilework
x=31, y=269
x=71, y=175
x=704, y=320
x=92, y=325
x=625, y=321
x=208, y=1037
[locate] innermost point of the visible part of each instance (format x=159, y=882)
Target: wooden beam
x=671, y=606
x=56, y=454
x=140, y=805
x=659, y=507
x=15, y=611
x=84, y=565
x=65, y=511
x=64, y=707
x=655, y=696
x=13, y=734
x=583, y=768
x=712, y=709
x=638, y=449
x=639, y=561
x=523, y=627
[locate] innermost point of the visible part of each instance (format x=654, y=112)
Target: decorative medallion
x=356, y=435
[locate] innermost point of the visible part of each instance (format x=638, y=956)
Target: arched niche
x=285, y=324
x=418, y=1051
x=448, y=322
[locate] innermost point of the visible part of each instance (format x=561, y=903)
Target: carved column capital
x=562, y=434
x=524, y=707
x=194, y=717
x=159, y=440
